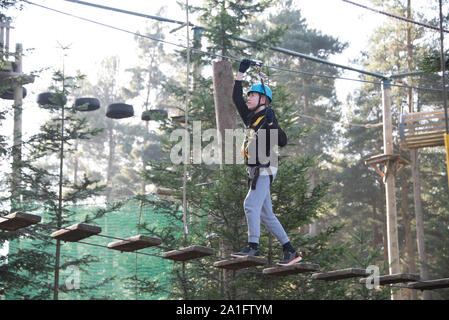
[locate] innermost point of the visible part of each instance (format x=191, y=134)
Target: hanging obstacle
x=76, y=232
x=87, y=104
x=422, y=129
x=240, y=263
x=429, y=284
x=156, y=115
x=393, y=278
x=188, y=253
x=134, y=243
x=50, y=98
x=9, y=94
x=292, y=269
x=18, y=220
x=119, y=111
x=340, y=274
x=179, y=119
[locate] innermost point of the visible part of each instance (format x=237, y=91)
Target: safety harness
x=251, y=136
x=253, y=171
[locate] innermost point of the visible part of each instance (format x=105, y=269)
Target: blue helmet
x=258, y=88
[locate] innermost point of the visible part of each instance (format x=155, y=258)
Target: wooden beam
x=240, y=263
x=165, y=191
x=76, y=232
x=393, y=278
x=18, y=220
x=340, y=274
x=134, y=243
x=188, y=253
x=292, y=269
x=429, y=284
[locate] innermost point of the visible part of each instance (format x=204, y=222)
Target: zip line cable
x=217, y=55
x=396, y=16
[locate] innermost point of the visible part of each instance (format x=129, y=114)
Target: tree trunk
x=375, y=226
x=17, y=133
x=384, y=235
x=225, y=117
x=419, y=220
x=412, y=294
x=111, y=157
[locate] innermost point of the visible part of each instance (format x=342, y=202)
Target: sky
x=42, y=33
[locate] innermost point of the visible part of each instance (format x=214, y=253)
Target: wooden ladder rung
x=76, y=232
x=18, y=220
x=240, y=263
x=429, y=284
x=340, y=274
x=393, y=278
x=188, y=253
x=292, y=269
x=134, y=243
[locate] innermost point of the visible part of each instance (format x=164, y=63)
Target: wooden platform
x=10, y=77
x=18, y=220
x=188, y=253
x=429, y=284
x=340, y=274
x=383, y=160
x=134, y=243
x=293, y=269
x=394, y=278
x=240, y=263
x=165, y=191
x=76, y=232
x=422, y=129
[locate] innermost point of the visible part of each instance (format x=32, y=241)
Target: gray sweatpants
x=258, y=208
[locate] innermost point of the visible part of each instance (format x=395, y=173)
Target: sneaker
x=289, y=259
x=247, y=251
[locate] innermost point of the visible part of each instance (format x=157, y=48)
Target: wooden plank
x=188, y=253
x=240, y=263
x=76, y=232
x=429, y=284
x=18, y=220
x=292, y=269
x=393, y=278
x=340, y=274
x=134, y=243
x=165, y=191
x=382, y=158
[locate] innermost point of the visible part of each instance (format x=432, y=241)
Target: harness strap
x=254, y=173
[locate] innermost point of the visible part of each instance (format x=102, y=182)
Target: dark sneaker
x=247, y=251
x=289, y=259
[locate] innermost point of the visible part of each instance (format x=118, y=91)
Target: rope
x=395, y=16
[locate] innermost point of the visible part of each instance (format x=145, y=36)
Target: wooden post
x=225, y=118
x=225, y=113
x=423, y=271
x=17, y=130
x=392, y=229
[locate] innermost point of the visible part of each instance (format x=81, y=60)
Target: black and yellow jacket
x=254, y=122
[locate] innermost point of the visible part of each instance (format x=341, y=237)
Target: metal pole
x=443, y=69
x=392, y=228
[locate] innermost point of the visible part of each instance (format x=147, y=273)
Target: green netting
x=110, y=274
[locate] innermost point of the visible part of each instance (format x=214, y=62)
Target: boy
x=257, y=114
